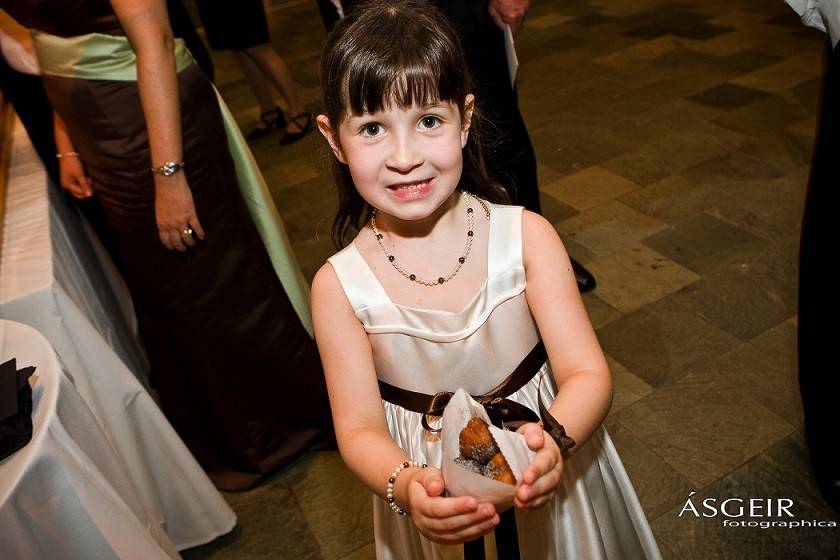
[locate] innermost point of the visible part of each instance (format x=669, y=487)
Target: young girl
x=445, y=288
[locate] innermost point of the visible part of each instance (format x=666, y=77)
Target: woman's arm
x=146, y=25
x=584, y=388
x=361, y=430
x=70, y=168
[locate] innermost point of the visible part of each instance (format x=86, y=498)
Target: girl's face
x=404, y=162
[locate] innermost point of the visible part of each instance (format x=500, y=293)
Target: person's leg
x=271, y=116
x=277, y=73
x=257, y=81
x=818, y=384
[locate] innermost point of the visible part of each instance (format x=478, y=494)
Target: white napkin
x=462, y=482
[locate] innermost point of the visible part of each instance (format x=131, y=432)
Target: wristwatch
x=168, y=168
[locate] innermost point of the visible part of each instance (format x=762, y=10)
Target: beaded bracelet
x=389, y=489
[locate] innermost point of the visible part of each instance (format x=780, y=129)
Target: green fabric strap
x=110, y=57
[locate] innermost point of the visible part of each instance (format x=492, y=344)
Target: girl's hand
x=447, y=520
x=175, y=213
x=73, y=177
x=540, y=480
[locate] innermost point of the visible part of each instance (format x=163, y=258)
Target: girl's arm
x=146, y=24
x=584, y=388
x=361, y=429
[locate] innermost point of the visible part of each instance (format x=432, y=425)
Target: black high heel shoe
x=272, y=120
x=585, y=279
x=304, y=125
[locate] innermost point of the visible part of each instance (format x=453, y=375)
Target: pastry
x=481, y=454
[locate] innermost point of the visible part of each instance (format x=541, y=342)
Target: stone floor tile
x=555, y=210
x=609, y=227
x=633, y=277
x=664, y=342
x=701, y=430
x=676, y=199
x=704, y=243
x=589, y=187
x=780, y=472
x=278, y=177
x=747, y=297
x=270, y=525
x=658, y=486
x=546, y=21
x=764, y=369
x=577, y=251
x=367, y=552
x=763, y=116
x=627, y=387
x=336, y=505
x=749, y=60
x=785, y=74
x=600, y=312
x=728, y=96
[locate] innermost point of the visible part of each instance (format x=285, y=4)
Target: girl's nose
x=404, y=155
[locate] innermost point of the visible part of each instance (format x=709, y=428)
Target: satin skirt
x=595, y=514
x=225, y=344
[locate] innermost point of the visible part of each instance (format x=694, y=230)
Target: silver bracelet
x=389, y=489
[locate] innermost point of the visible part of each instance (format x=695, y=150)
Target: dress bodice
x=429, y=350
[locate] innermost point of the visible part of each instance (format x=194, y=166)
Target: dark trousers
x=818, y=378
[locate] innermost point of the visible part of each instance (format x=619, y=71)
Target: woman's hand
x=175, y=213
x=446, y=520
x=539, y=481
x=73, y=177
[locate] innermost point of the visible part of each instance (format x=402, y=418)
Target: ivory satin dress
x=596, y=514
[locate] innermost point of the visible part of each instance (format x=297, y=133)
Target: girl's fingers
x=442, y=508
x=469, y=533
x=462, y=522
x=542, y=463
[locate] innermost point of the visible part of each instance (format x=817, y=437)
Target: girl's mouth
x=412, y=189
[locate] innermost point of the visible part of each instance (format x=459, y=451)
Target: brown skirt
x=237, y=374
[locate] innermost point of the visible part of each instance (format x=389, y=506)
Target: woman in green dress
x=222, y=304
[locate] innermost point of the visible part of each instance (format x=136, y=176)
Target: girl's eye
x=430, y=121
x=371, y=129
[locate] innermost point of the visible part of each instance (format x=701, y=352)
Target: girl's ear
x=331, y=135
x=469, y=105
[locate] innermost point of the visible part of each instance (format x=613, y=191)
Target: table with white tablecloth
x=67, y=493
x=54, y=279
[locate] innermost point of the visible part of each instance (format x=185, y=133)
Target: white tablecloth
x=52, y=279
x=67, y=493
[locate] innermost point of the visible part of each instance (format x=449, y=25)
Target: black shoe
x=272, y=120
x=304, y=121
x=585, y=280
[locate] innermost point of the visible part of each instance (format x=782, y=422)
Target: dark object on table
x=15, y=407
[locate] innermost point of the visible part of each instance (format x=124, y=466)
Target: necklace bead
x=461, y=260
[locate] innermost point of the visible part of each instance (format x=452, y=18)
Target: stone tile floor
x=673, y=141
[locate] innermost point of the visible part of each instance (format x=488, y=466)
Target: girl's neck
x=444, y=218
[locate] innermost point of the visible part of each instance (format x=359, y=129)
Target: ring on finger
x=187, y=231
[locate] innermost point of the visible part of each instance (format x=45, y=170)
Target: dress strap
x=360, y=285
x=505, y=251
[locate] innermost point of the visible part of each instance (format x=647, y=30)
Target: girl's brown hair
x=395, y=53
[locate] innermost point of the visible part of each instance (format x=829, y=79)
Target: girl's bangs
x=382, y=83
